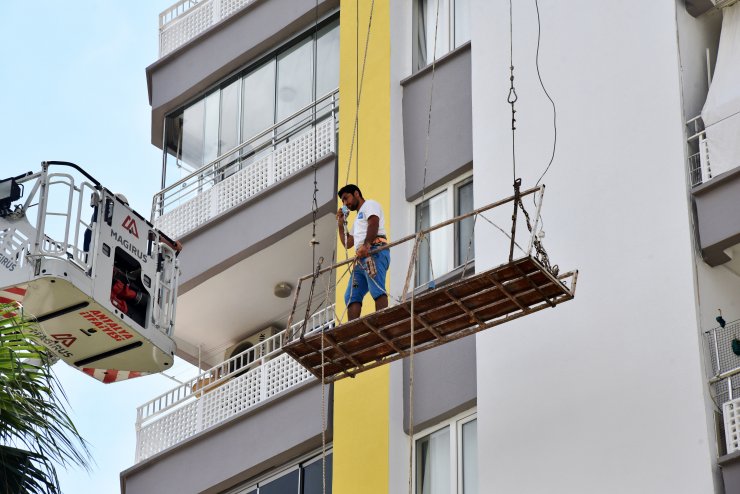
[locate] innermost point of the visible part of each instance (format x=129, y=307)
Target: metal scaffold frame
x=514, y=289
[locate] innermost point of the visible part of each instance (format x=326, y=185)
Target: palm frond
x=36, y=433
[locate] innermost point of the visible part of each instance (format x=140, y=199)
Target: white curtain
x=721, y=112
x=433, y=463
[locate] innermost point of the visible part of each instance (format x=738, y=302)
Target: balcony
x=716, y=201
x=243, y=383
x=248, y=169
x=723, y=347
x=187, y=19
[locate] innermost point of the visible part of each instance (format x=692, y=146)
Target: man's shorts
x=360, y=282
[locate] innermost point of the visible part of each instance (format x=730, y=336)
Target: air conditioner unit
x=723, y=3
x=251, y=341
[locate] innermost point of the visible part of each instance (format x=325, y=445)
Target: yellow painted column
x=361, y=405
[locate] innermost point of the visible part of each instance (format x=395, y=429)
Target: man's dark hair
x=349, y=189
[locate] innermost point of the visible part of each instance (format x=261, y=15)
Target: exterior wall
x=361, y=418
x=235, y=451
x=714, y=287
x=444, y=383
x=228, y=46
x=450, y=143
x=206, y=253
x=604, y=393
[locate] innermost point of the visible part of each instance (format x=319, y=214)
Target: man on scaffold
x=367, y=236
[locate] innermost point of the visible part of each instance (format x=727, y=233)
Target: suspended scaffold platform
x=514, y=289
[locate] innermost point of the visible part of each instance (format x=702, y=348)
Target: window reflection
x=229, y=137
x=465, y=249
x=327, y=60
x=258, y=112
x=470, y=457
x=304, y=477
x=434, y=253
x=295, y=79
x=433, y=463
x=192, y=134
x=210, y=138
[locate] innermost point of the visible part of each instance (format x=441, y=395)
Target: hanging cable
x=542, y=84
x=512, y=98
x=314, y=243
x=357, y=85
x=359, y=93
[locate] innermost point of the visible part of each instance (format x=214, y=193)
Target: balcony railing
x=699, y=168
x=220, y=393
x=187, y=19
x=248, y=169
x=723, y=346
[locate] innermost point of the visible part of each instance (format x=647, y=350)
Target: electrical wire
x=542, y=84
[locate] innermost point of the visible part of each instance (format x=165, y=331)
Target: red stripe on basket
x=111, y=376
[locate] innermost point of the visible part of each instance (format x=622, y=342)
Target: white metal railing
x=218, y=394
x=249, y=168
x=723, y=347
x=699, y=167
x=187, y=19
x=731, y=416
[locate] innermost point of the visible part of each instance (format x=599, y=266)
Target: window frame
x=451, y=188
x=456, y=457
x=452, y=44
x=297, y=464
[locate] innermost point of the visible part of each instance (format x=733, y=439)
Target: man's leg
x=356, y=290
x=377, y=284
x=354, y=309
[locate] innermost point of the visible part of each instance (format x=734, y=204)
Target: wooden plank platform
x=444, y=314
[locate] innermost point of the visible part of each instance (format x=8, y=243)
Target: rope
x=411, y=394
x=314, y=243
x=415, y=252
x=359, y=91
x=323, y=413
x=426, y=142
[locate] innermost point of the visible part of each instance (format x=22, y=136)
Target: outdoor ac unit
x=251, y=341
x=723, y=3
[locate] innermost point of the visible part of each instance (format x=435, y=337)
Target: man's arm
x=373, y=223
x=340, y=228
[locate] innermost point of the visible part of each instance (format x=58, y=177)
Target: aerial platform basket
x=514, y=289
x=99, y=280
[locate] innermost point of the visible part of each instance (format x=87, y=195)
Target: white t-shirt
x=359, y=227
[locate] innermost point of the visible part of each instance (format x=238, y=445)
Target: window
x=449, y=247
x=250, y=102
x=452, y=25
x=446, y=459
x=302, y=477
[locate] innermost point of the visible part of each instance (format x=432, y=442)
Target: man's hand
x=340, y=217
x=363, y=250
